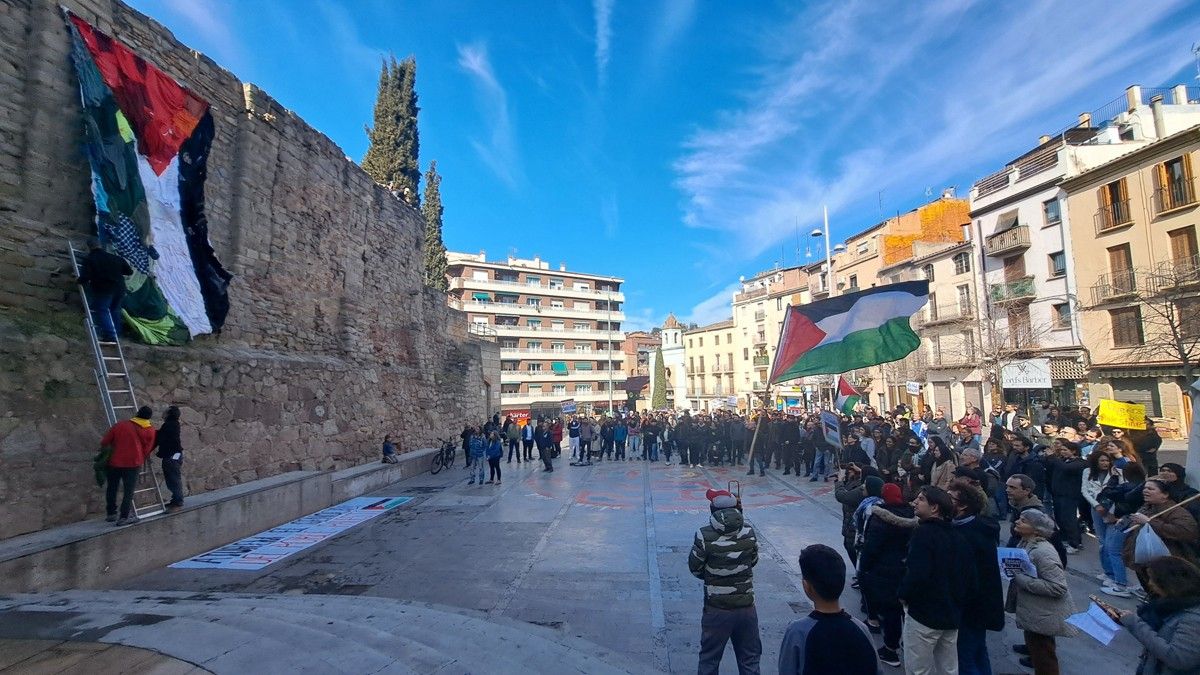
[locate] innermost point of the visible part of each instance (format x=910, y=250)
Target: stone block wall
x=331, y=340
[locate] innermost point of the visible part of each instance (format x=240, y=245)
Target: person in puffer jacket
x=476, y=446
x=723, y=556
x=1168, y=626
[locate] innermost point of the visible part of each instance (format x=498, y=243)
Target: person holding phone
x=1168, y=626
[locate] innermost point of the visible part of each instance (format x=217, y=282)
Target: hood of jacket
x=726, y=521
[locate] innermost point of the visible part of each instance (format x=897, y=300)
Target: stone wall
x=331, y=340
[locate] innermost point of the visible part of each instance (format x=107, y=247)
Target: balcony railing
x=760, y=386
x=760, y=315
x=1176, y=194
x=1012, y=291
x=1113, y=215
x=1176, y=274
x=1012, y=239
x=948, y=314
x=762, y=360
x=1114, y=285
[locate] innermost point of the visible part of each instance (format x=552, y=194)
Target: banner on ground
x=855, y=330
x=147, y=140
x=1112, y=413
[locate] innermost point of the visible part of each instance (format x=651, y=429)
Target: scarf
x=862, y=513
x=143, y=423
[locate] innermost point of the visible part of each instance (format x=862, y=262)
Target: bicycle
x=444, y=458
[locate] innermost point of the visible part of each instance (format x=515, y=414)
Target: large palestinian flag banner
x=856, y=330
x=147, y=140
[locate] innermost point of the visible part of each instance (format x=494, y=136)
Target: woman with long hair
x=944, y=463
x=1175, y=526
x=1099, y=476
x=1168, y=626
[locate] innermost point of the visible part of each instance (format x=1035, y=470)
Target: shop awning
x=482, y=297
x=559, y=367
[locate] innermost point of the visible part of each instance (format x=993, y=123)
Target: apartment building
x=1022, y=232
x=559, y=331
x=710, y=358
x=1133, y=242
x=639, y=348
x=759, y=309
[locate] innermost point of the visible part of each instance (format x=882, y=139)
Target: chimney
x=482, y=255
x=1085, y=120
x=1156, y=111
x=1043, y=139
x=1133, y=97
x=562, y=267
x=1179, y=94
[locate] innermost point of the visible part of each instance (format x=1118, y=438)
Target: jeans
x=528, y=443
x=651, y=449
x=494, y=465
x=573, y=442
x=891, y=620
x=117, y=478
x=695, y=454
x=822, y=465
x=719, y=626
x=929, y=651
x=173, y=475
x=621, y=449
x=514, y=447
x=972, y=652
x=1101, y=529
x=635, y=446
x=585, y=450
x=106, y=311
x=1114, y=542
x=476, y=468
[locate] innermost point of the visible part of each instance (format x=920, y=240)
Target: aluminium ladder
x=117, y=396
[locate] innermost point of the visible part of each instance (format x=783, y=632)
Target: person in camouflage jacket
x=724, y=555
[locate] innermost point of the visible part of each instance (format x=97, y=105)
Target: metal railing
x=1033, y=165
x=1012, y=239
x=993, y=183
x=1113, y=215
x=1012, y=291
x=945, y=314
x=1114, y=285
x=1175, y=273
x=762, y=361
x=1176, y=194
x=760, y=315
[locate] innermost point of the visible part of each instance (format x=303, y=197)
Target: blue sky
x=680, y=144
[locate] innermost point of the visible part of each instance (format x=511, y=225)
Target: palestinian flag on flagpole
x=856, y=330
x=147, y=140
x=847, y=396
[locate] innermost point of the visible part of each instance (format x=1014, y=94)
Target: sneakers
x=889, y=656
x=1117, y=591
x=489, y=482
x=1108, y=581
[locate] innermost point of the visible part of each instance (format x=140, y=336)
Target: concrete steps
x=236, y=633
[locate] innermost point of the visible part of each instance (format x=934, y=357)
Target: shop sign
x=1026, y=374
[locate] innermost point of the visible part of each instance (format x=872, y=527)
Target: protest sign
x=1013, y=560
x=1112, y=413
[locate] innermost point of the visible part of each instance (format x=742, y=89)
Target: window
x=1052, y=212
x=560, y=389
x=532, y=280
x=534, y=324
x=1127, y=326
x=853, y=281
x=729, y=361
x=691, y=364
x=689, y=343
x=935, y=348
x=533, y=302
x=962, y=263
x=1058, y=264
x=1183, y=251
x=535, y=346
x=729, y=340
x=558, y=326
x=480, y=275
x=559, y=367
x=582, y=307
x=1175, y=187
x=510, y=366
x=535, y=390
x=932, y=307
x=508, y=343
x=534, y=368
x=556, y=284
x=717, y=339
x=1188, y=311
x=700, y=340
x=583, y=389
x=556, y=304
x=964, y=300
x=581, y=326
x=582, y=286
x=1114, y=206
x=745, y=353
x=702, y=364
x=968, y=341
x=927, y=272
x=558, y=346
x=1120, y=269
x=510, y=388
x=1061, y=315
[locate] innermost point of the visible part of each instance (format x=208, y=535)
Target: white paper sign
x=1095, y=622
x=1013, y=560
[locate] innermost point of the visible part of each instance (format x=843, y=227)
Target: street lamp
x=830, y=285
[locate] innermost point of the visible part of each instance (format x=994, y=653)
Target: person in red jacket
x=131, y=441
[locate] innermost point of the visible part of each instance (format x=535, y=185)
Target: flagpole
x=832, y=290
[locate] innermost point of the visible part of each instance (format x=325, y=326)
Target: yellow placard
x=1124, y=415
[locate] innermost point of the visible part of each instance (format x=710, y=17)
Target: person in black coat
x=1066, y=468
x=939, y=579
x=170, y=451
x=881, y=565
x=986, y=602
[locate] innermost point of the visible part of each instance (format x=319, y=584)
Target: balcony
x=536, y=310
x=1180, y=274
x=934, y=316
x=1176, y=194
x=762, y=361
x=517, y=287
x=760, y=315
x=1113, y=215
x=1011, y=240
x=1114, y=286
x=760, y=386
x=1019, y=290
x=548, y=375
x=550, y=333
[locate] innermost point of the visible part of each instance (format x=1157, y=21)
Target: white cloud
x=499, y=152
x=643, y=319
x=717, y=307
x=875, y=99
x=602, y=9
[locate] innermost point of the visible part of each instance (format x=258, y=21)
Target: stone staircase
x=238, y=633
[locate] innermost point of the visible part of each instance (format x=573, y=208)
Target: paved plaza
x=579, y=570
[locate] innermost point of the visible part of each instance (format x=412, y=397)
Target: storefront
x=1058, y=379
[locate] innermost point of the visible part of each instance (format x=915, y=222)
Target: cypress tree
x=434, y=247
x=391, y=158
x=658, y=399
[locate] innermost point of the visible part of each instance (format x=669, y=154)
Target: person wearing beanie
x=986, y=602
x=881, y=565
x=1173, y=475
x=723, y=556
x=130, y=443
